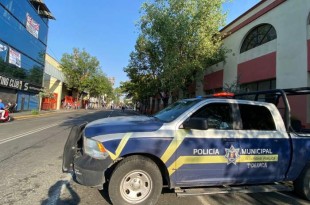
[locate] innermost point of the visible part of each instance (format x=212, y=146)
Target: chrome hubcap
x=136, y=186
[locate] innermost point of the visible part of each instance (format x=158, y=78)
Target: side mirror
x=196, y=123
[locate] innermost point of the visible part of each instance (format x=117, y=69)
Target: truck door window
x=217, y=114
x=256, y=117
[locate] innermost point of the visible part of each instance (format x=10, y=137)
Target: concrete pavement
x=42, y=113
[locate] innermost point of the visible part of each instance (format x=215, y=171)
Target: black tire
x=302, y=183
x=135, y=180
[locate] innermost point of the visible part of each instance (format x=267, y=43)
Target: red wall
x=308, y=55
x=298, y=104
x=192, y=88
x=299, y=108
x=261, y=68
x=213, y=80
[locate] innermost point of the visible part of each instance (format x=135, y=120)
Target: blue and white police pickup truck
x=210, y=145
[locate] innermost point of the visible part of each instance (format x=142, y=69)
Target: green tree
x=178, y=39
x=79, y=68
x=143, y=73
x=117, y=93
x=98, y=85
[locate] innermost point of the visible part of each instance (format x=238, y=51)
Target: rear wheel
x=135, y=180
x=302, y=183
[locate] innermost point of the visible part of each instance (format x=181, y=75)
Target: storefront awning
x=42, y=9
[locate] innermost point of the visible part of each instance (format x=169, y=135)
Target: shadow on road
x=55, y=192
x=278, y=198
x=98, y=114
x=104, y=193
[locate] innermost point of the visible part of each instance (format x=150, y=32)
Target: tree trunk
x=77, y=96
x=165, y=98
x=165, y=101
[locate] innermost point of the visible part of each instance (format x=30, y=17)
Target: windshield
x=174, y=110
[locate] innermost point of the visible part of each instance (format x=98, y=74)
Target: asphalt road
x=30, y=168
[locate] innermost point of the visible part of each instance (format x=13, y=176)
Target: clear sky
x=106, y=29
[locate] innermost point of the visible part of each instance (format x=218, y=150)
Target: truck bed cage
x=273, y=96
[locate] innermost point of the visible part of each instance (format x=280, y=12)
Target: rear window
x=256, y=117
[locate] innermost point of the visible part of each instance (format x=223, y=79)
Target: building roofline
x=52, y=57
x=244, y=14
x=42, y=9
x=250, y=19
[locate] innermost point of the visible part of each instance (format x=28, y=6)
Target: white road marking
x=28, y=133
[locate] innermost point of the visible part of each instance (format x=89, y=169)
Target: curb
x=22, y=117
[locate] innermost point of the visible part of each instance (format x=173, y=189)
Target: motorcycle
x=7, y=117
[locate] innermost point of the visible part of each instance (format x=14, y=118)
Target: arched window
x=258, y=36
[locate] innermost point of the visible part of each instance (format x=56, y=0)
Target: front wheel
x=302, y=183
x=135, y=180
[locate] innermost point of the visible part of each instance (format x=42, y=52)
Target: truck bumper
x=86, y=170
x=89, y=171
x=72, y=147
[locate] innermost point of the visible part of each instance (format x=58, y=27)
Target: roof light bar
x=224, y=94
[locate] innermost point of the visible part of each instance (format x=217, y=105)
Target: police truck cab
x=223, y=143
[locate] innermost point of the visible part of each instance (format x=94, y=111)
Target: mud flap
x=71, y=147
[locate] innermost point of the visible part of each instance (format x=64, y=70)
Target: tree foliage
x=178, y=39
x=99, y=84
x=142, y=73
x=117, y=96
x=82, y=72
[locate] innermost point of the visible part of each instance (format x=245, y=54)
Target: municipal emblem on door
x=232, y=154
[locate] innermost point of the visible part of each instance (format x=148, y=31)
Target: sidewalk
x=30, y=114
